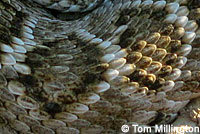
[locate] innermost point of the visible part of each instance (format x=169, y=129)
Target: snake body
x=115, y=62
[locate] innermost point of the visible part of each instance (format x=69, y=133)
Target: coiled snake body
x=115, y=62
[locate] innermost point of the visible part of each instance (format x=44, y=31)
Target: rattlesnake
x=70, y=67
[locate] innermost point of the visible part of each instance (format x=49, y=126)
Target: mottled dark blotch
x=52, y=108
x=137, y=76
x=28, y=80
x=167, y=29
x=159, y=118
x=154, y=86
x=34, y=63
x=158, y=15
x=90, y=78
x=37, y=94
x=17, y=23
x=42, y=51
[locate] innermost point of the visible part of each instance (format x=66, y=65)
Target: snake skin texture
x=70, y=5
x=119, y=62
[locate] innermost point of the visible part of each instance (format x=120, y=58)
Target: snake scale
x=91, y=66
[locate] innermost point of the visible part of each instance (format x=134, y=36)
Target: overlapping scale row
x=126, y=62
x=16, y=29
x=69, y=5
x=162, y=54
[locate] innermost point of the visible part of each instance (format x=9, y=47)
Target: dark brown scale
x=133, y=31
x=68, y=16
x=79, y=42
x=50, y=44
x=122, y=20
x=156, y=85
x=72, y=36
x=134, y=22
x=17, y=23
x=130, y=32
x=155, y=26
x=92, y=50
x=154, y=67
x=138, y=46
x=105, y=36
x=81, y=88
x=126, y=38
x=153, y=38
x=169, y=62
x=160, y=116
x=5, y=38
x=143, y=24
x=101, y=68
x=178, y=33
x=158, y=15
x=90, y=78
x=144, y=62
x=165, y=70
x=36, y=64
x=146, y=13
x=170, y=58
x=37, y=94
x=135, y=12
x=124, y=17
x=66, y=98
x=92, y=60
x=159, y=54
x=141, y=35
x=35, y=60
x=42, y=51
x=174, y=46
x=138, y=75
x=127, y=42
x=126, y=11
x=134, y=57
x=52, y=108
x=5, y=35
x=163, y=42
x=166, y=29
x=29, y=80
x=163, y=118
x=149, y=50
x=148, y=80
